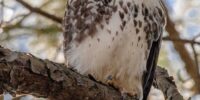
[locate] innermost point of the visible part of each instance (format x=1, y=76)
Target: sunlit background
x=25, y=31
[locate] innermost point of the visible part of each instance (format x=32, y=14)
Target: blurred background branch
x=41, y=12
x=184, y=41
x=190, y=65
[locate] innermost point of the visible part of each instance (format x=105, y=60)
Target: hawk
x=115, y=41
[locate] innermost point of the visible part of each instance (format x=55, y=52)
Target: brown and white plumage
x=116, y=41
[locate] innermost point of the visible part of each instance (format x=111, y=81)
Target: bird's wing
x=148, y=76
x=151, y=66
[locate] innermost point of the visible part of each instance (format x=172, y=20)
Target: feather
x=114, y=41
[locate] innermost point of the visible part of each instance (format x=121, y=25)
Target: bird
x=115, y=41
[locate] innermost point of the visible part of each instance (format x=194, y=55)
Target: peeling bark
x=23, y=73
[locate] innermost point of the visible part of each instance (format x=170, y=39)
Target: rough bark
x=23, y=73
x=165, y=83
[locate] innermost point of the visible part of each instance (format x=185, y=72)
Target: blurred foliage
x=41, y=36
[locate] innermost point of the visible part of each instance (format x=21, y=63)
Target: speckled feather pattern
x=111, y=39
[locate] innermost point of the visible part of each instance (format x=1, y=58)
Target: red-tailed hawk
x=115, y=41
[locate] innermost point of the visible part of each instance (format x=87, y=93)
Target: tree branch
x=41, y=12
x=183, y=41
x=184, y=54
x=166, y=84
x=22, y=73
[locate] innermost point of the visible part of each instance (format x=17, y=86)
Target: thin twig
x=41, y=12
x=195, y=56
x=197, y=36
x=181, y=40
x=22, y=16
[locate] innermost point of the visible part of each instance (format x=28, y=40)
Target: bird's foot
x=111, y=82
x=133, y=94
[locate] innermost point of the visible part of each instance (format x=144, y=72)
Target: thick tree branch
x=41, y=12
x=22, y=73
